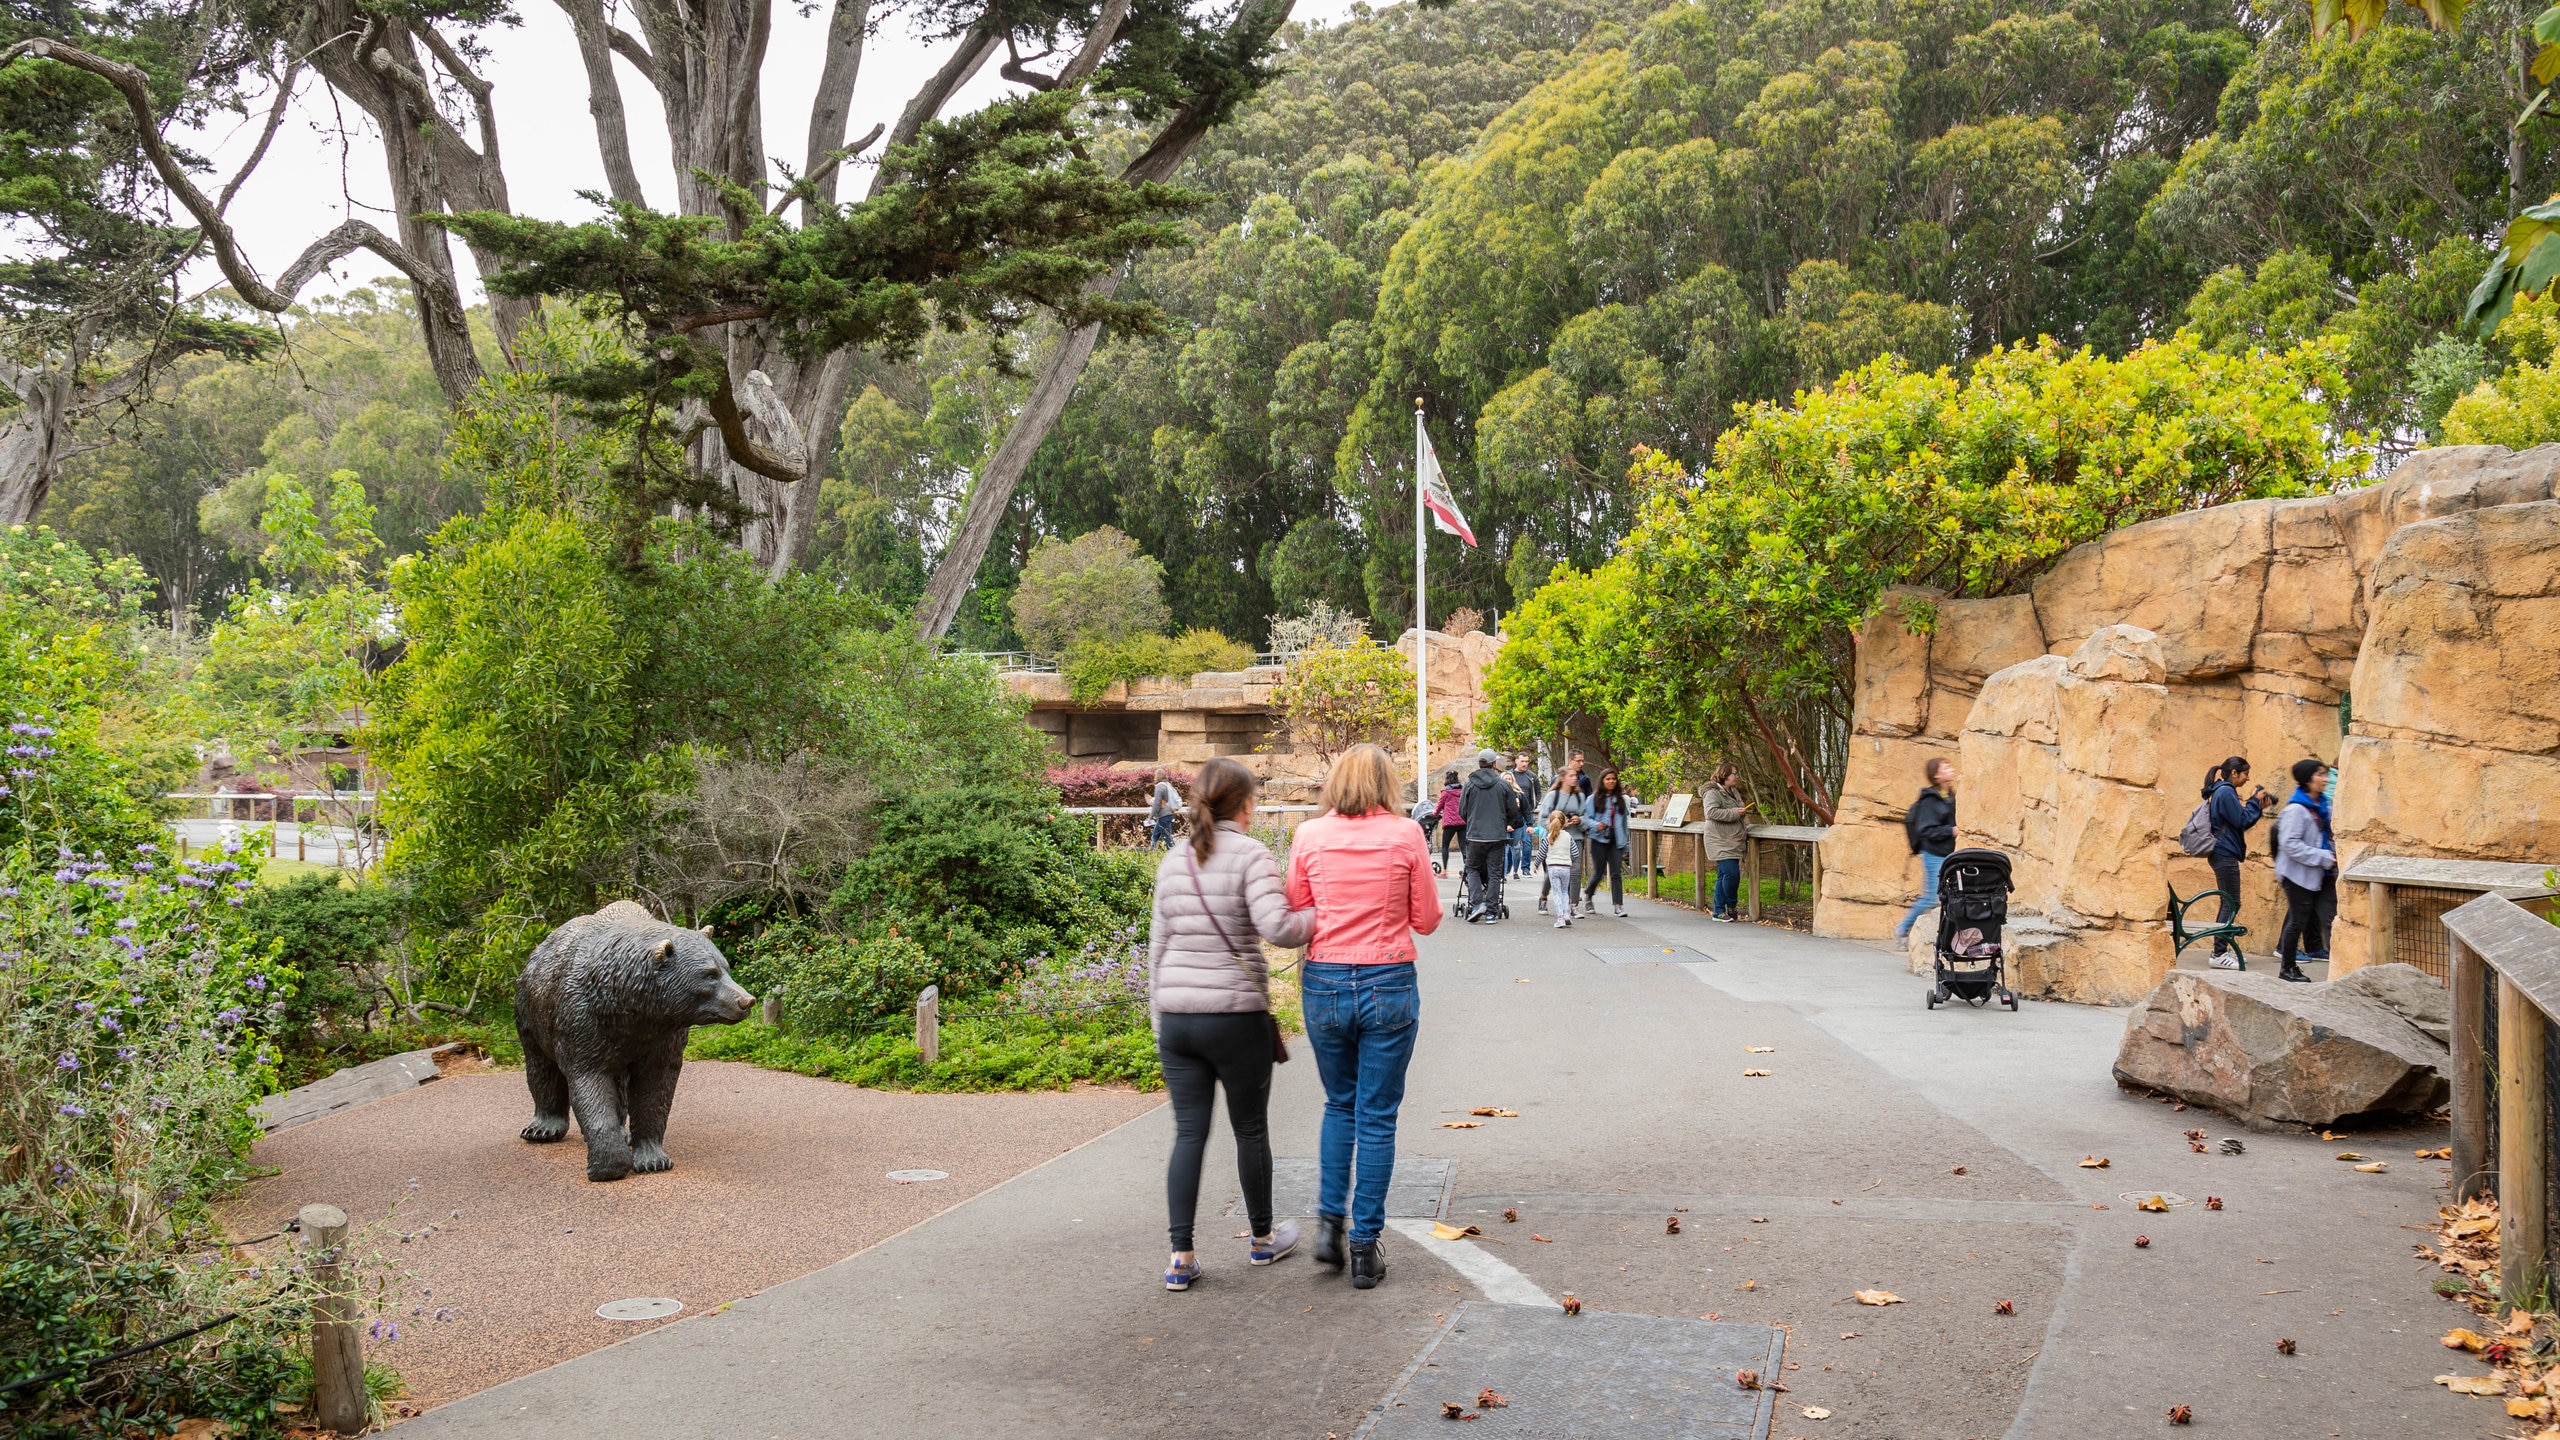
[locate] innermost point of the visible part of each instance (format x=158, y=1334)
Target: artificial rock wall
x=2084, y=714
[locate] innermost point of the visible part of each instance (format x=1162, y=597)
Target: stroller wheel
x=1933, y=999
x=2009, y=1000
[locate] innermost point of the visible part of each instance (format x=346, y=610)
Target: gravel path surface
x=776, y=1175
x=1033, y=1311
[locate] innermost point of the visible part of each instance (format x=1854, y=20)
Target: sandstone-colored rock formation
x=2433, y=594
x=2277, y=1054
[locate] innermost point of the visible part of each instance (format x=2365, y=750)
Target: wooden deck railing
x=2502, y=1033
x=1759, y=836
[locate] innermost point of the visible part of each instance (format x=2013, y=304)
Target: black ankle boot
x=1368, y=1267
x=1329, y=1240
x=2293, y=973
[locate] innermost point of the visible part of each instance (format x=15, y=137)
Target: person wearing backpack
x=2306, y=859
x=1929, y=826
x=2229, y=818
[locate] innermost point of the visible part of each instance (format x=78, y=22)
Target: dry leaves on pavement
x=1442, y=1230
x=2181, y=1415
x=1816, y=1412
x=2213, y=1202
x=1749, y=1073
x=1541, y=1239
x=2441, y=1152
x=1877, y=1297
x=1461, y=1124
x=2005, y=1307
x=1490, y=1399
x=2093, y=1162
x=2155, y=1204
x=1671, y=1226
x=1452, y=1410
x=2284, y=1347
x=1571, y=1305
x=1747, y=1379
x=2473, y=1384
x=1490, y=1110
x=2459, y=1339
x=1511, y=1216
x=2350, y=1155
x=1760, y=1049
x=2374, y=1168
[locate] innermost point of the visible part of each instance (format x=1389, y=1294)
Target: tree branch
x=979, y=43
x=1106, y=28
x=821, y=181
x=789, y=465
x=604, y=99
x=832, y=110
x=266, y=137
x=451, y=60
x=628, y=46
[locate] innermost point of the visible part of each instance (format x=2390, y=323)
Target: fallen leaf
x=1748, y=1285
x=1877, y=1297
x=2328, y=1134
x=1461, y=1124
x=1500, y=1114
x=2465, y=1340
x=2181, y=1415
x=1490, y=1399
x=2376, y=1168
x=2441, y=1152
x=2519, y=1322
x=1511, y=1216
x=1849, y=1334
x=2473, y=1384
x=1452, y=1410
x=1749, y=1073
x=1957, y=1171
x=1747, y=1379
x=2213, y=1202
x=2141, y=1242
x=2195, y=1134
x=1541, y=1239
x=2284, y=1347
x=1759, y=1049
x=2092, y=1162
x=1671, y=1226
x=2196, y=1145
x=1441, y=1230
x=2476, y=1225
x=2155, y=1204
x=1763, y=1219
x=1571, y=1305
x=2522, y=1409
x=2005, y=1307
x=2350, y=1155
x=1816, y=1412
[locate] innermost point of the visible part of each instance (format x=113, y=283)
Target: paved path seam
x=1486, y=1271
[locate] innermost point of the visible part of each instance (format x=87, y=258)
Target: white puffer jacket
x=1190, y=970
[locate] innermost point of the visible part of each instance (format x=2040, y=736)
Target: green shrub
x=1023, y=1053
x=837, y=986
x=1093, y=666
x=337, y=938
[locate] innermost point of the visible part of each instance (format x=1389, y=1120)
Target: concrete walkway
x=1933, y=1155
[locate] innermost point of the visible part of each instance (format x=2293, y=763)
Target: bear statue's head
x=703, y=990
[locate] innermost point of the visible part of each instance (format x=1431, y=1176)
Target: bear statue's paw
x=649, y=1157
x=610, y=1168
x=545, y=1129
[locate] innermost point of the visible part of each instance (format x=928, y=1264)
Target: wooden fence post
x=2470, y=1072
x=337, y=1352
x=2523, y=1154
x=1652, y=871
x=772, y=1006
x=929, y=1023
x=1751, y=872
x=2381, y=920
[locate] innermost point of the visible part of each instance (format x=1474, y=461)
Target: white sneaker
x=1622, y=912
x=1560, y=924
x=2226, y=962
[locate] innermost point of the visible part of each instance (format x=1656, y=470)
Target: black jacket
x=1488, y=805
x=1931, y=824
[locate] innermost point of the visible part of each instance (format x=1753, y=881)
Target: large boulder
x=2276, y=1054
x=2406, y=991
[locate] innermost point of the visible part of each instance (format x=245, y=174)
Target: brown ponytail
x=1220, y=793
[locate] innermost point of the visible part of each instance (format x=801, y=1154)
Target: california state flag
x=1436, y=496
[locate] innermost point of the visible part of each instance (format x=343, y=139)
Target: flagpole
x=1421, y=631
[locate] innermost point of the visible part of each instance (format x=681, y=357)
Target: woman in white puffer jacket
x=1218, y=896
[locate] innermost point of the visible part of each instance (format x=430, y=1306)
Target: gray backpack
x=2196, y=836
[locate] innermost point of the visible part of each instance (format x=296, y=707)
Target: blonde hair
x=1363, y=780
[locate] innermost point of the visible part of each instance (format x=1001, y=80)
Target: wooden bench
x=2182, y=935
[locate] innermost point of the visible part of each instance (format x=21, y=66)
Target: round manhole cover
x=918, y=1177
x=645, y=1307
x=2165, y=1197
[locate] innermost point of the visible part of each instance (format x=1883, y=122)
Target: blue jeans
x=1728, y=886
x=1160, y=832
x=1361, y=1022
x=1524, y=852
x=1928, y=900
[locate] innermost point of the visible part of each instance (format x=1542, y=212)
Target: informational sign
x=1675, y=809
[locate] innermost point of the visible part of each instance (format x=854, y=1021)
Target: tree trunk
x=992, y=494
x=31, y=444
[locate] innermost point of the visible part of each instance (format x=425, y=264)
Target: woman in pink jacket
x=1365, y=869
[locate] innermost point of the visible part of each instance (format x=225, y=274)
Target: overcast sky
x=313, y=178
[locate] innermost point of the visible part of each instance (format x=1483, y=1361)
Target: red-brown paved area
x=776, y=1175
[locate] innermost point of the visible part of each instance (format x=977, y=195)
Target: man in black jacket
x=1931, y=828
x=1490, y=809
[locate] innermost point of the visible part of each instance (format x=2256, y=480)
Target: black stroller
x=1973, y=903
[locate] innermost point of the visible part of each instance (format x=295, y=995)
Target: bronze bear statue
x=603, y=1009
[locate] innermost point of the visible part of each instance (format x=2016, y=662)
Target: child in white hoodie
x=1563, y=847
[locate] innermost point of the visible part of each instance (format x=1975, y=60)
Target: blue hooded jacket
x=2232, y=818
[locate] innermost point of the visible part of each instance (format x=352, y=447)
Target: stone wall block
x=1978, y=637
x=2107, y=859
x=2111, y=728
x=2019, y=700
x=2196, y=579
x=1892, y=691
x=2419, y=797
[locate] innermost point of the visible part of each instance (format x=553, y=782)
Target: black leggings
x=2226, y=877
x=1611, y=861
x=1450, y=835
x=1200, y=1053
x=2306, y=916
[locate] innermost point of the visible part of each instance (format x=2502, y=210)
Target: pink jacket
x=1369, y=879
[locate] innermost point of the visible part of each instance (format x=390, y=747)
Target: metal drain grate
x=1649, y=955
x=1628, y=1377
x=1418, y=1188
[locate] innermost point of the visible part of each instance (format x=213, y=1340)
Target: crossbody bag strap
x=1192, y=858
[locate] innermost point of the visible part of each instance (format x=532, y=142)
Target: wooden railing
x=1653, y=869
x=2494, y=937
